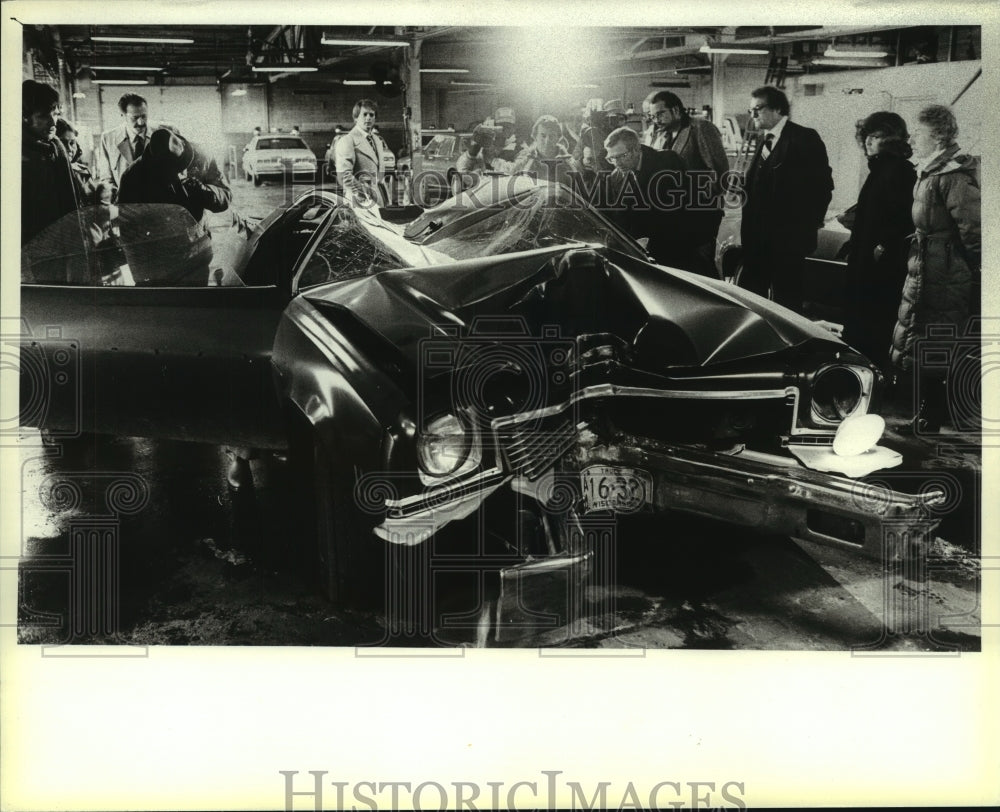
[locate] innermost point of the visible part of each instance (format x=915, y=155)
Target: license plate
x=608, y=487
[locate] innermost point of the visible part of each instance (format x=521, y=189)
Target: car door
x=150, y=330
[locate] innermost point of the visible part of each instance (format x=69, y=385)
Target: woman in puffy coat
x=941, y=289
x=877, y=262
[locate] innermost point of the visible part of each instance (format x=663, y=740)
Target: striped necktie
x=765, y=151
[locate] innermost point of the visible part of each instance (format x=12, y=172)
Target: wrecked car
x=510, y=342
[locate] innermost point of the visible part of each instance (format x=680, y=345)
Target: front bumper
x=750, y=489
x=770, y=493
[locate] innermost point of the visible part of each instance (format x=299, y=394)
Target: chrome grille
x=531, y=449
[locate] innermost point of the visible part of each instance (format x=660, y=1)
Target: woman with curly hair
x=876, y=265
x=941, y=288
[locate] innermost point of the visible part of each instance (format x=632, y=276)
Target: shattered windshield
x=359, y=243
x=506, y=214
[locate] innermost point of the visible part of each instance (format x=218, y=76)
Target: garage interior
x=203, y=568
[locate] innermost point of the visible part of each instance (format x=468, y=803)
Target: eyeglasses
x=756, y=109
x=619, y=157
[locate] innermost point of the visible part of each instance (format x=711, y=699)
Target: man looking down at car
x=171, y=171
x=645, y=196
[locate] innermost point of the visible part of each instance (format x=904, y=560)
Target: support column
x=413, y=103
x=718, y=87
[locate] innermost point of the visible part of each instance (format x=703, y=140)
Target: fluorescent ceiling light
x=360, y=82
x=386, y=43
x=711, y=49
x=444, y=70
x=835, y=54
x=122, y=67
x=120, y=82
x=457, y=83
x=285, y=69
x=158, y=40
x=850, y=63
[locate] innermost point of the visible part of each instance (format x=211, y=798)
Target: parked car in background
x=510, y=348
x=440, y=155
x=278, y=156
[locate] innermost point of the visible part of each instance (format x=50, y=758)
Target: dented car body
x=510, y=341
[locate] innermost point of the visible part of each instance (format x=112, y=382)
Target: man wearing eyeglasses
x=788, y=186
x=646, y=196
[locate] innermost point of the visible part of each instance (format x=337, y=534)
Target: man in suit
x=788, y=187
x=646, y=196
x=359, y=159
x=120, y=147
x=698, y=142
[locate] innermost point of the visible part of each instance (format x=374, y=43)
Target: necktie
x=140, y=145
x=765, y=151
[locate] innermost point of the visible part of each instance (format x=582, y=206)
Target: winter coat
x=942, y=277
x=882, y=219
x=49, y=188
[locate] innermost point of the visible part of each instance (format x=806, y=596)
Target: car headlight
x=447, y=446
x=837, y=392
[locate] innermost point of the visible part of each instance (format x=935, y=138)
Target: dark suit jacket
x=650, y=203
x=787, y=195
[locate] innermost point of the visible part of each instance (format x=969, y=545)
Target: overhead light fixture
x=121, y=82
x=712, y=49
x=155, y=40
x=381, y=43
x=850, y=63
x=457, y=83
x=360, y=82
x=444, y=70
x=285, y=68
x=834, y=53
x=125, y=67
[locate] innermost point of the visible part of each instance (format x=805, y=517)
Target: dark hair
x=546, y=121
x=37, y=97
x=942, y=123
x=130, y=98
x=890, y=126
x=366, y=104
x=670, y=100
x=773, y=98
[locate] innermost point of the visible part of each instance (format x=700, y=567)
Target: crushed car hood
x=670, y=318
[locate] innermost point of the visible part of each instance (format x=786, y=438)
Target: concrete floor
x=186, y=559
